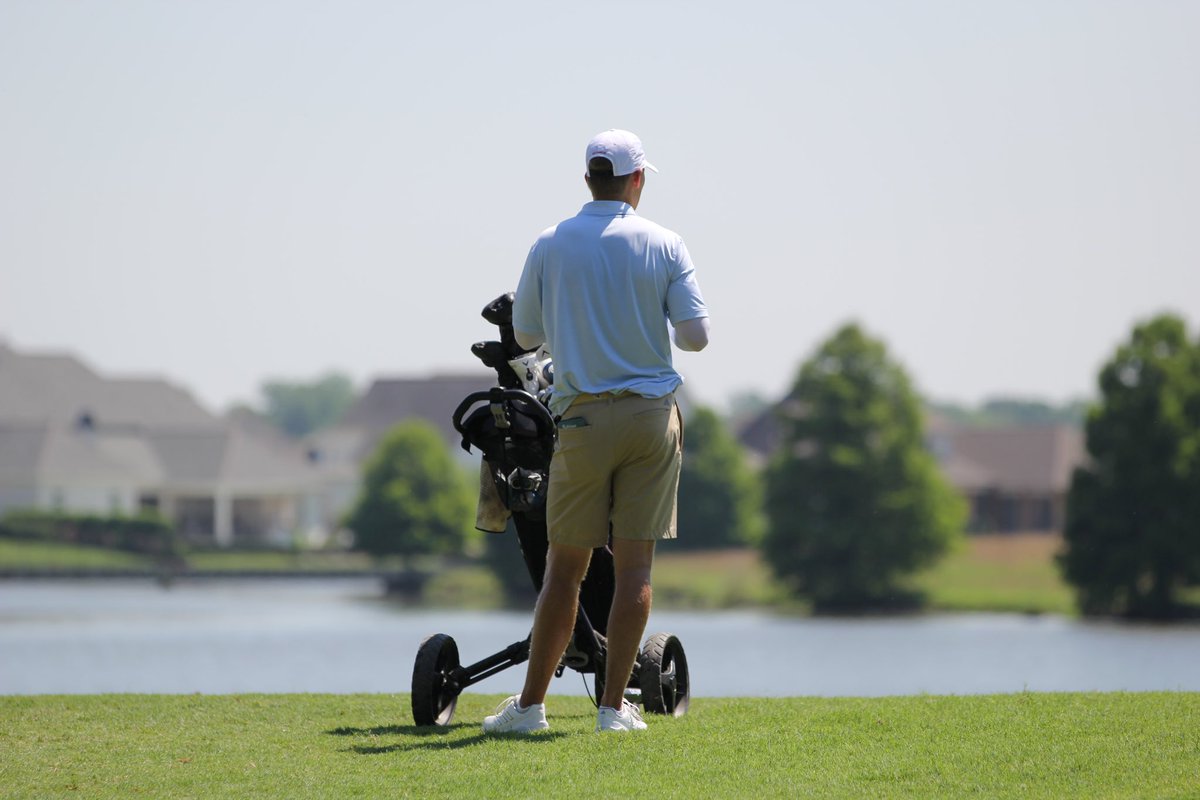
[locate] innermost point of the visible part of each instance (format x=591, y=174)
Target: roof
x=1024, y=458
x=390, y=401
x=63, y=424
x=760, y=434
x=78, y=457
x=229, y=459
x=198, y=459
x=20, y=452
x=1010, y=458
x=54, y=387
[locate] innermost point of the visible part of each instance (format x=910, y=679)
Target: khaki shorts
x=616, y=460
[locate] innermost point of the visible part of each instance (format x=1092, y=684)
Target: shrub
x=148, y=533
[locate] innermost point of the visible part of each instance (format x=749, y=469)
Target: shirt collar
x=608, y=208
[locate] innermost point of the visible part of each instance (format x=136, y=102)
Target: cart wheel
x=433, y=700
x=664, y=676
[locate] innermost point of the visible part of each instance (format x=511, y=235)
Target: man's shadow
x=432, y=737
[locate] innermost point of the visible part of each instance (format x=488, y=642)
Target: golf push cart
x=513, y=429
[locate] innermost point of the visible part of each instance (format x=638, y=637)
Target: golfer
x=605, y=290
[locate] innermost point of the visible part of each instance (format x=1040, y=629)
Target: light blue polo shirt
x=599, y=288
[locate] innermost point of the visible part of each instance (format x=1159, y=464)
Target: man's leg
x=627, y=619
x=554, y=617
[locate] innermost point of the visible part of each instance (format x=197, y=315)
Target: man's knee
x=566, y=566
x=632, y=555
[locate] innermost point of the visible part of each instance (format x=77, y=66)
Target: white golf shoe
x=627, y=719
x=511, y=718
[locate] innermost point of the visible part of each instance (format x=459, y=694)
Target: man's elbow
x=692, y=335
x=528, y=341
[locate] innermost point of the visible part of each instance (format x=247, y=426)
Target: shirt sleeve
x=527, y=307
x=684, y=300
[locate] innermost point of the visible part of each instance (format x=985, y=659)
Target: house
x=1015, y=477
x=339, y=452
x=390, y=401
x=74, y=440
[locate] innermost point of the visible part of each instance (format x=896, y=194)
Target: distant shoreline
x=400, y=584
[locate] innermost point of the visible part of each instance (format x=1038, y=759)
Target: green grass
x=278, y=561
x=19, y=553
x=299, y=746
x=1000, y=573
x=988, y=573
x=714, y=579
x=36, y=555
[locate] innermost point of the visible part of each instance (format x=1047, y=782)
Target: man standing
x=600, y=289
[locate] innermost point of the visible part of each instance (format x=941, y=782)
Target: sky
x=223, y=193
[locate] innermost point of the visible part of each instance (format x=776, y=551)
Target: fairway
x=343, y=746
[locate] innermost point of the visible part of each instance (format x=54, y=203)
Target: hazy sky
x=223, y=192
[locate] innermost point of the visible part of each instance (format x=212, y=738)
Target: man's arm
x=685, y=303
x=528, y=340
x=690, y=335
x=527, y=304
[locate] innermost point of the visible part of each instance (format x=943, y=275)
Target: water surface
x=340, y=636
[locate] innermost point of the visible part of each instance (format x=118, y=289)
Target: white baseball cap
x=620, y=147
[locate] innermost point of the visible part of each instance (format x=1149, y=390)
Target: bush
x=414, y=499
x=147, y=534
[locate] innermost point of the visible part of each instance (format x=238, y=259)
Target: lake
x=341, y=636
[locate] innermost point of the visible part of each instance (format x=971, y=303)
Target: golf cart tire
x=433, y=702
x=663, y=675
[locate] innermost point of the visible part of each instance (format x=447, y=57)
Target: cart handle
x=499, y=395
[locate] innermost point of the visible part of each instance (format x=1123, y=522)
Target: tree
x=299, y=408
x=854, y=500
x=1133, y=513
x=719, y=498
x=414, y=499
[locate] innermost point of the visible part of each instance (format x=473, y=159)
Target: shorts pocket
x=571, y=438
x=651, y=413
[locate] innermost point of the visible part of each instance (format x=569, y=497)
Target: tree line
x=852, y=502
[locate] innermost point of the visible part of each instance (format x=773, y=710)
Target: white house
x=74, y=440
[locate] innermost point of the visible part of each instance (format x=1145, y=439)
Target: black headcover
x=499, y=313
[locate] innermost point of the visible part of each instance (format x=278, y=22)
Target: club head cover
x=492, y=353
x=499, y=311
